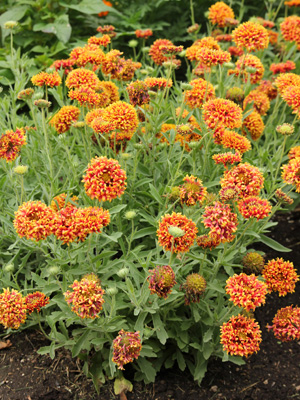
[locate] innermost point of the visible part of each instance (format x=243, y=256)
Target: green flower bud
x=54, y=270
x=133, y=43
x=9, y=267
x=10, y=24
x=42, y=103
x=175, y=231
x=186, y=86
x=228, y=65
x=20, y=169
x=130, y=214
x=126, y=156
x=112, y=291
x=123, y=272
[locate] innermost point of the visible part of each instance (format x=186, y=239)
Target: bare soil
x=272, y=373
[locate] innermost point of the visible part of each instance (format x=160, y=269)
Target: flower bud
x=112, y=291
x=285, y=129
x=122, y=273
x=133, y=43
x=10, y=24
x=138, y=146
x=54, y=270
x=228, y=65
x=78, y=124
x=20, y=169
x=42, y=103
x=175, y=231
x=25, y=94
x=186, y=86
x=250, y=70
x=126, y=156
x=9, y=267
x=130, y=214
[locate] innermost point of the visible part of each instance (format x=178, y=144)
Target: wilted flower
x=240, y=336
x=207, y=242
x=161, y=280
x=280, y=276
x=180, y=244
x=283, y=197
x=138, y=93
x=246, y=291
x=253, y=263
x=126, y=347
x=286, y=324
x=194, y=288
x=87, y=297
x=13, y=309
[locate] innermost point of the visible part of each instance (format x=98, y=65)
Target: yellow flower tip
x=21, y=169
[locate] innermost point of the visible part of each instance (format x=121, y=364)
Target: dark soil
x=272, y=373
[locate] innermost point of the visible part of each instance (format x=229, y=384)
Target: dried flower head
x=221, y=221
x=180, y=244
x=13, y=309
x=251, y=35
x=194, y=288
x=161, y=280
x=219, y=13
x=241, y=336
x=34, y=301
x=126, y=347
x=253, y=263
x=138, y=93
x=280, y=276
x=104, y=179
x=65, y=118
x=286, y=324
x=34, y=220
x=86, y=297
x=283, y=197
x=11, y=143
x=246, y=291
x=235, y=94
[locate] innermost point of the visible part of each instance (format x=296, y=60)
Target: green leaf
x=159, y=328
x=14, y=14
x=155, y=194
x=180, y=360
x=63, y=28
x=90, y=7
x=117, y=209
x=147, y=369
x=207, y=336
x=144, y=232
x=273, y=244
x=80, y=343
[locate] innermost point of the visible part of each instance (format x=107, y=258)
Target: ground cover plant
x=132, y=199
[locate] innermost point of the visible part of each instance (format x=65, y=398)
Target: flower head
x=291, y=173
x=210, y=57
x=104, y=179
x=122, y=116
x=156, y=53
x=243, y=64
x=251, y=36
x=193, y=287
x=202, y=91
x=291, y=95
x=207, y=242
x=13, y=309
x=260, y=100
x=161, y=280
x=36, y=300
x=219, y=13
x=254, y=207
x=64, y=118
x=138, y=93
x=227, y=158
x=34, y=220
x=222, y=112
x=283, y=197
x=192, y=191
x=221, y=221
x=126, y=347
x=11, y=143
x=233, y=140
x=267, y=87
x=241, y=336
x=294, y=152
x=285, y=129
x=254, y=125
x=44, y=78
x=100, y=41
x=286, y=324
x=143, y=33
x=283, y=81
x=246, y=291
x=86, y=297
x=253, y=263
x=280, y=276
x=158, y=83
x=281, y=68
x=180, y=244
x=109, y=29
x=82, y=77
x=290, y=29
x=25, y=94
x=65, y=65
x=59, y=202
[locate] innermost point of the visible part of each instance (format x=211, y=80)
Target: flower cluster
x=281, y=68
x=261, y=102
x=202, y=91
x=280, y=276
x=241, y=336
x=126, y=347
x=13, y=309
x=254, y=207
x=161, y=281
x=291, y=173
x=233, y=140
x=286, y=324
x=251, y=36
x=11, y=143
x=246, y=291
x=86, y=297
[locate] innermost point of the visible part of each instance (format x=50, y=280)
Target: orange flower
x=91, y=54
x=227, y=158
x=280, y=276
x=202, y=91
x=273, y=36
x=283, y=197
x=260, y=100
x=87, y=297
x=36, y=300
x=65, y=65
x=161, y=281
x=210, y=57
x=233, y=140
x=283, y=81
x=192, y=120
x=100, y=41
x=251, y=35
x=246, y=291
x=104, y=13
x=111, y=91
x=221, y=222
x=282, y=67
x=59, y=202
x=235, y=51
x=156, y=53
x=192, y=191
x=11, y=143
x=85, y=96
x=44, y=78
x=224, y=38
x=218, y=14
x=294, y=152
x=240, y=336
x=34, y=220
x=267, y=88
x=207, y=242
x=206, y=42
x=13, y=309
x=286, y=323
x=251, y=61
x=222, y=112
x=245, y=178
x=292, y=3
x=177, y=242
x=143, y=33
x=290, y=29
x=291, y=95
x=93, y=114
x=64, y=118
x=122, y=116
x=109, y=29
x=254, y=124
x=82, y=77
x=104, y=179
x=254, y=207
x=138, y=93
x=158, y=83
x=291, y=173
x=126, y=347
